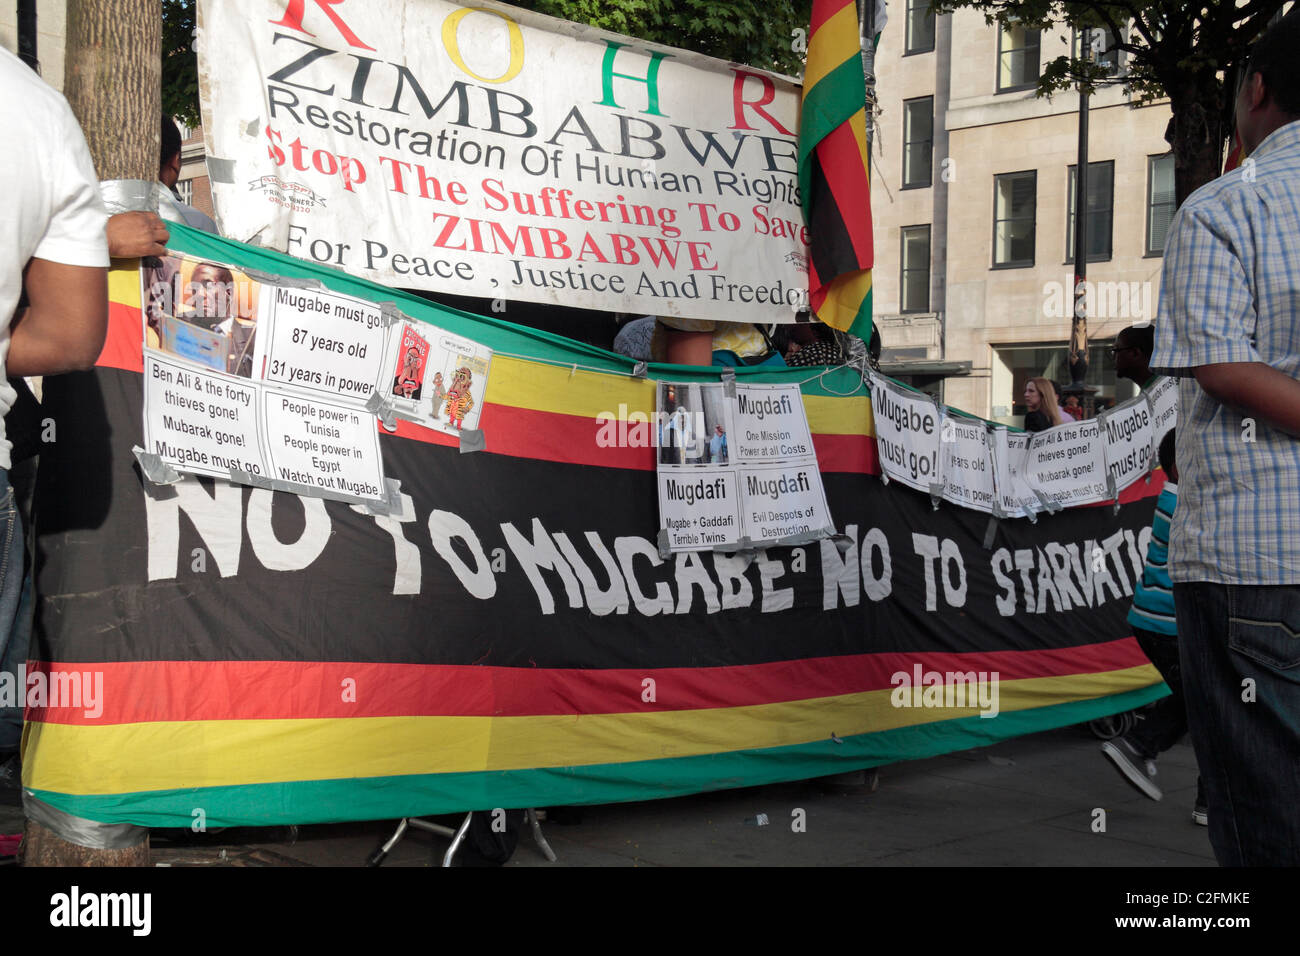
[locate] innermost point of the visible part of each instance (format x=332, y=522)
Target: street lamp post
x=1078, y=350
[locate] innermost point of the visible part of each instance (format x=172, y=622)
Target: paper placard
x=320, y=341
x=1067, y=464
x=967, y=464
x=907, y=434
x=201, y=421
x=1014, y=494
x=1127, y=432
x=433, y=377
x=323, y=445
x=736, y=466
x=1163, y=396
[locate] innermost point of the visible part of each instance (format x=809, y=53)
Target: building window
x=915, y=283
x=918, y=141
x=1015, y=197
x=1104, y=51
x=1101, y=210
x=920, y=28
x=185, y=188
x=1017, y=58
x=1160, y=201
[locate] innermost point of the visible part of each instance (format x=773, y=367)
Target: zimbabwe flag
x=834, y=172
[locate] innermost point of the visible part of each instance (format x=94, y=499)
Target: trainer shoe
x=1133, y=767
x=1200, y=809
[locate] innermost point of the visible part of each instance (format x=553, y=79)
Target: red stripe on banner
x=1137, y=491
x=571, y=439
x=840, y=157
x=152, y=691
x=123, y=346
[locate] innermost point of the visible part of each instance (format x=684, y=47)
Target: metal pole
x=1079, y=323
x=27, y=33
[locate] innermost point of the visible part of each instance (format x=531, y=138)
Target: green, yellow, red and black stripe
x=260, y=741
x=834, y=170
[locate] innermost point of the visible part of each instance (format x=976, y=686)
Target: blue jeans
x=1241, y=676
x=15, y=627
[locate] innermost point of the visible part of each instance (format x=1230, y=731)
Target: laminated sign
x=736, y=471
x=484, y=150
x=276, y=385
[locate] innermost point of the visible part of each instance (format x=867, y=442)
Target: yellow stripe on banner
x=844, y=299
x=838, y=38
x=519, y=383
x=126, y=758
x=858, y=123
x=124, y=283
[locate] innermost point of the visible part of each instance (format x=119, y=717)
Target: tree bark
x=41, y=847
x=112, y=81
x=1197, y=133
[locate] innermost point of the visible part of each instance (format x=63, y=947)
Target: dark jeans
x=1241, y=671
x=1165, y=721
x=15, y=627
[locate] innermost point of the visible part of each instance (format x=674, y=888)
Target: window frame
x=1002, y=51
x=908, y=144
x=1015, y=263
x=908, y=8
x=1150, y=253
x=1070, y=174
x=903, y=268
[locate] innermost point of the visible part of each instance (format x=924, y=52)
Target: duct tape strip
x=794, y=540
x=640, y=370
x=221, y=170
x=130, y=195
x=383, y=410
x=379, y=506
x=1050, y=506
x=1112, y=491
x=665, y=545
x=154, y=468
x=1153, y=457
x=471, y=439
x=83, y=832
x=391, y=313
x=729, y=383
x=286, y=282
x=990, y=532
x=936, y=494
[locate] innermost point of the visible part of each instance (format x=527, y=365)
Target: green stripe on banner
x=861, y=326
x=383, y=798
x=503, y=337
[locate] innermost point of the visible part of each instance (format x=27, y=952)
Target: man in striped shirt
x=1229, y=326
x=1156, y=627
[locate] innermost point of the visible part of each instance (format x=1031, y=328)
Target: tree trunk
x=112, y=80
x=41, y=847
x=113, y=83
x=1197, y=133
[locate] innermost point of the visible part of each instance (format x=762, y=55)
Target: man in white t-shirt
x=55, y=251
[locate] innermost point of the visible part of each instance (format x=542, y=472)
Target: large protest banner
x=489, y=151
x=260, y=656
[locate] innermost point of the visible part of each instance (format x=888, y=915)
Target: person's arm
x=1255, y=389
x=687, y=348
x=135, y=234
x=63, y=327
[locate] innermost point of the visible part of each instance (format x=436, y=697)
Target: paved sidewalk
x=1031, y=801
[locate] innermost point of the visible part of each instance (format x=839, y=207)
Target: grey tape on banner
x=640, y=370
x=383, y=410
x=991, y=532
x=129, y=195
x=288, y=282
x=1110, y=487
x=1050, y=506
x=471, y=439
x=729, y=383
x=665, y=545
x=936, y=494
x=391, y=313
x=154, y=468
x=79, y=830
x=252, y=127
x=221, y=170
x=795, y=540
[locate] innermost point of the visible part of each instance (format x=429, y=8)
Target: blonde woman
x=1040, y=398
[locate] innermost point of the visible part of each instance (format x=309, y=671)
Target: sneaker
x=1133, y=767
x=1200, y=809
